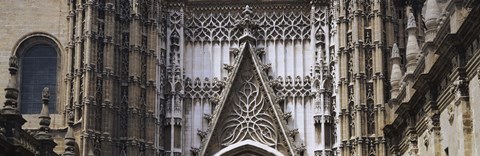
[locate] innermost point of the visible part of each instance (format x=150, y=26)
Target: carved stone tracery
x=250, y=116
x=272, y=26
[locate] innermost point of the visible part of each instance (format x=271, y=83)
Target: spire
x=396, y=74
x=432, y=15
x=412, y=44
x=69, y=139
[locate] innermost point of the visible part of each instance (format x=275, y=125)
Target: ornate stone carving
x=286, y=116
x=292, y=133
x=249, y=118
x=195, y=150
x=300, y=149
x=201, y=134
x=207, y=117
x=227, y=67
x=11, y=90
x=260, y=51
x=411, y=21
x=272, y=26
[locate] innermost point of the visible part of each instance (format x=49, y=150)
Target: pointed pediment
x=247, y=109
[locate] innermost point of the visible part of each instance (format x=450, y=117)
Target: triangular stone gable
x=247, y=109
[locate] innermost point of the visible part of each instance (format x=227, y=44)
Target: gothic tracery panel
x=250, y=116
x=272, y=26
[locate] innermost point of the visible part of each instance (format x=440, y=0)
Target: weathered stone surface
x=348, y=78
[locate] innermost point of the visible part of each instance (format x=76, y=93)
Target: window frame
x=23, y=46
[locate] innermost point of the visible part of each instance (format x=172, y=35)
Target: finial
x=11, y=91
x=411, y=21
x=44, y=116
x=45, y=93
x=13, y=61
x=395, y=51
x=247, y=25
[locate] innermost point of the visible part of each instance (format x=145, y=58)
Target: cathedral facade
x=252, y=77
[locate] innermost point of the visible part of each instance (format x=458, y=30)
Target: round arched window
x=38, y=70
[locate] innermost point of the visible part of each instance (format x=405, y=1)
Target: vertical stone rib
x=88, y=118
x=107, y=72
x=77, y=62
x=133, y=80
x=70, y=59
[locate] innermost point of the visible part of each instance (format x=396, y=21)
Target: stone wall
x=21, y=19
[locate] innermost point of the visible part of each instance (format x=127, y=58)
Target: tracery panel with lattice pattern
x=272, y=26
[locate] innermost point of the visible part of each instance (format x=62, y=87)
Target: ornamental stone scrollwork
x=292, y=133
x=201, y=134
x=266, y=67
x=228, y=67
x=286, y=116
x=214, y=100
x=234, y=51
x=260, y=52
x=194, y=150
x=300, y=149
x=207, y=117
x=278, y=99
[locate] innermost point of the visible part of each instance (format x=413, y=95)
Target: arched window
x=38, y=69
